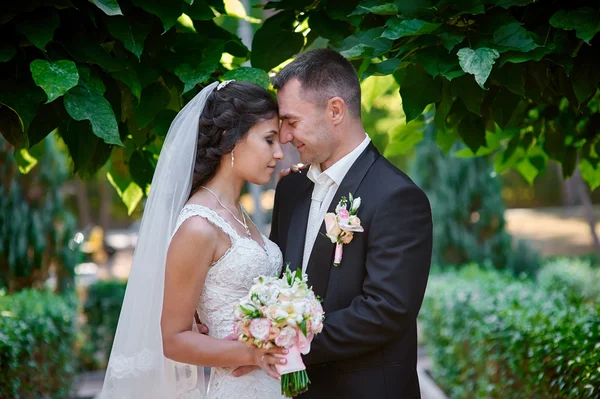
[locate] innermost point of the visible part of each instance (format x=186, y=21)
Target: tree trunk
x=83, y=203
x=105, y=203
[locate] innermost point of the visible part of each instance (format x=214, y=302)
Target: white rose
x=260, y=328
x=286, y=337
x=355, y=204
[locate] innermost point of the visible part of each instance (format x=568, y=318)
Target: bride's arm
x=190, y=254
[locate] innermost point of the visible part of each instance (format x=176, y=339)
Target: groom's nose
x=285, y=134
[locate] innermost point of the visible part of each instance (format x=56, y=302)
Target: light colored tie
x=314, y=221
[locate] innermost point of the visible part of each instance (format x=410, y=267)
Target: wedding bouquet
x=281, y=312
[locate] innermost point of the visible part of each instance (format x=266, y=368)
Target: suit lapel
x=321, y=257
x=294, y=247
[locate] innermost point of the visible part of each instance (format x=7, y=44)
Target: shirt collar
x=338, y=170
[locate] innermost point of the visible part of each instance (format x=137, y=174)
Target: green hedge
x=493, y=336
x=101, y=308
x=37, y=337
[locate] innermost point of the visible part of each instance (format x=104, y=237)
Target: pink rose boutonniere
x=342, y=225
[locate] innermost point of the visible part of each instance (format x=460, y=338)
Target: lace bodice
x=228, y=280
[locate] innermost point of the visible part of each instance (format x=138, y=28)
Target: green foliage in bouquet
x=494, y=336
x=467, y=210
x=37, y=336
x=36, y=228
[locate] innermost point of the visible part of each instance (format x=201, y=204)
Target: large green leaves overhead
x=585, y=21
x=398, y=28
x=56, y=78
x=167, y=10
x=275, y=41
x=478, y=62
x=417, y=89
x=131, y=31
x=86, y=102
x=38, y=27
x=110, y=7
x=253, y=75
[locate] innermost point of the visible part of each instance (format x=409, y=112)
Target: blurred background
x=492, y=107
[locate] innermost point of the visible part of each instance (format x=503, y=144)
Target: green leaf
x=7, y=52
x=38, y=27
x=478, y=62
x=110, y=7
x=437, y=61
x=418, y=89
x=442, y=108
x=375, y=7
x=386, y=67
x=23, y=98
x=399, y=27
x=130, y=78
x=246, y=74
x=194, y=74
x=129, y=192
x=11, y=127
x=527, y=170
x=56, y=78
x=25, y=161
x=472, y=131
x=85, y=51
x=469, y=91
x=162, y=122
x=46, y=119
x=584, y=20
x=88, y=152
x=303, y=327
x=199, y=10
x=168, y=11
x=403, y=138
x=328, y=28
x=590, y=173
x=131, y=31
x=504, y=107
x=516, y=57
x=364, y=43
x=141, y=167
x=450, y=36
x=275, y=42
x=155, y=98
x=84, y=104
x=513, y=36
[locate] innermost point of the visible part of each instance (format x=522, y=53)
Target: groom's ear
x=336, y=109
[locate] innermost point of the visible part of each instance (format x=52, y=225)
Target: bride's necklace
x=243, y=223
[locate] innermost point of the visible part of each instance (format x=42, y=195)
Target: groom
x=368, y=347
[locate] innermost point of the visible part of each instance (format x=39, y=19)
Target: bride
x=198, y=252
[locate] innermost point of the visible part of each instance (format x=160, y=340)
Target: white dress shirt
x=333, y=177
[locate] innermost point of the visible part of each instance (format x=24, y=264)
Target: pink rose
x=344, y=214
x=286, y=337
x=332, y=227
x=260, y=328
x=354, y=221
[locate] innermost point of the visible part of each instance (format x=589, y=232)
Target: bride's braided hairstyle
x=227, y=116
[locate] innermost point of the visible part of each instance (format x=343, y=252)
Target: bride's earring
x=232, y=158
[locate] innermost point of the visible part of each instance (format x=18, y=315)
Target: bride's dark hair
x=227, y=116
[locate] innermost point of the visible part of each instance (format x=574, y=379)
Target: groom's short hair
x=324, y=74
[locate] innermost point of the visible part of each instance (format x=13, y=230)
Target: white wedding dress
x=229, y=279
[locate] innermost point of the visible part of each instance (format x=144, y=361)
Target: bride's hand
x=267, y=358
x=293, y=169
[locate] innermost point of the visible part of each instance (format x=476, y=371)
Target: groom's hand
x=294, y=168
x=243, y=370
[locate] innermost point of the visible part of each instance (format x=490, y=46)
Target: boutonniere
x=342, y=225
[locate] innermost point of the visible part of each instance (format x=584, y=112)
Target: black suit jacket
x=368, y=347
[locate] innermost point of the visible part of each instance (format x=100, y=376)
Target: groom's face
x=303, y=123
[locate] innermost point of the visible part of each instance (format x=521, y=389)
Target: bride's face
x=256, y=154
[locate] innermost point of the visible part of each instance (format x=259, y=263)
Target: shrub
x=493, y=336
x=576, y=277
x=37, y=334
x=101, y=308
